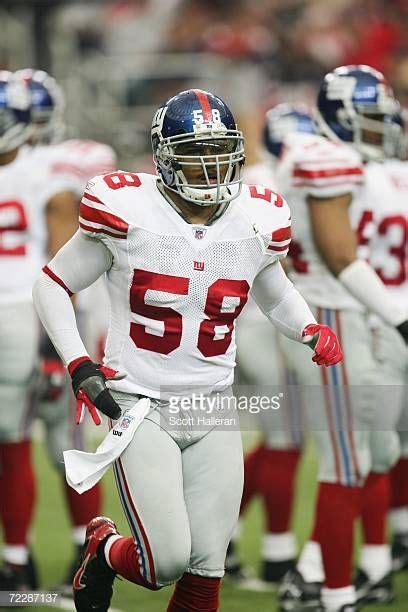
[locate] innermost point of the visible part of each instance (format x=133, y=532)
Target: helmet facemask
x=203, y=167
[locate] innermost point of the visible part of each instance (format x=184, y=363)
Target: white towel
x=84, y=470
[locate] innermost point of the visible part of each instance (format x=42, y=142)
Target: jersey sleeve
x=97, y=219
x=326, y=169
x=75, y=162
x=272, y=218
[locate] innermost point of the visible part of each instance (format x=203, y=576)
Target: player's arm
x=337, y=244
x=76, y=266
x=62, y=220
x=288, y=311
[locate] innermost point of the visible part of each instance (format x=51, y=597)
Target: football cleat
x=399, y=552
x=297, y=595
x=274, y=571
x=93, y=581
x=19, y=577
x=368, y=592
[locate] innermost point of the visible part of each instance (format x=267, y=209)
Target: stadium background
x=116, y=61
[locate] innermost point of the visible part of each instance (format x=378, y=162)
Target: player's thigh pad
x=213, y=481
x=149, y=477
x=339, y=400
x=19, y=333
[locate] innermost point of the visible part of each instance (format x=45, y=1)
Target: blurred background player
x=270, y=468
x=38, y=215
x=72, y=162
x=323, y=178
x=383, y=231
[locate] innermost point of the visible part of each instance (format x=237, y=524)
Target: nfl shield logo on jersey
x=199, y=233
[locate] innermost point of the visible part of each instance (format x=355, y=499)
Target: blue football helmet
x=355, y=104
x=47, y=105
x=197, y=149
x=284, y=119
x=14, y=112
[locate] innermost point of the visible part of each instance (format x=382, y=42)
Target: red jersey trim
x=57, y=279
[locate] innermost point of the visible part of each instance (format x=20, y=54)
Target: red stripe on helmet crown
x=205, y=104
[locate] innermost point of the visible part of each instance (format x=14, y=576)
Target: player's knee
x=172, y=565
x=385, y=450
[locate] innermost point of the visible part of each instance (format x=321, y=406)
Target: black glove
x=88, y=383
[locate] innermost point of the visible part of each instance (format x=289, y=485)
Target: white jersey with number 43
x=314, y=166
x=383, y=227
x=176, y=288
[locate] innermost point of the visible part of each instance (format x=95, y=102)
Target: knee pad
x=385, y=450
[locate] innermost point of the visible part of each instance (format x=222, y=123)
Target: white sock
x=334, y=599
x=399, y=520
x=278, y=546
x=310, y=563
x=78, y=535
x=17, y=555
x=375, y=560
x=108, y=545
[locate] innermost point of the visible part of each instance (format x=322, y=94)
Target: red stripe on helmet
x=205, y=104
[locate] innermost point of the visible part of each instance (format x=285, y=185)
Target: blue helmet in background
x=47, y=105
x=14, y=112
x=196, y=129
x=355, y=104
x=284, y=119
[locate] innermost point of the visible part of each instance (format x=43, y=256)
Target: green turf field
x=53, y=550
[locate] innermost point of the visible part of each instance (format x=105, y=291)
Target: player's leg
x=339, y=416
x=213, y=477
x=399, y=500
x=270, y=469
x=18, y=349
x=62, y=433
x=150, y=484
x=374, y=576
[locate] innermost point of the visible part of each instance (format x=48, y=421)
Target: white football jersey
x=315, y=166
x=176, y=288
x=383, y=226
x=26, y=185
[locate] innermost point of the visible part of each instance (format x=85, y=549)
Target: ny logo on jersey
x=199, y=265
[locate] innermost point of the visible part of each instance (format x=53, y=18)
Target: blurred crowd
x=291, y=40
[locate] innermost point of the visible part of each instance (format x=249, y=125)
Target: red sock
x=337, y=508
x=276, y=479
x=399, y=484
x=195, y=593
x=251, y=464
x=17, y=489
x=84, y=507
x=124, y=559
x=375, y=507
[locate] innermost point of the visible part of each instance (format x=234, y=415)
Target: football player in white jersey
x=37, y=215
x=323, y=177
x=270, y=468
x=383, y=230
x=181, y=251
x=72, y=162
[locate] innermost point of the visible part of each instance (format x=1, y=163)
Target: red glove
x=52, y=379
x=326, y=345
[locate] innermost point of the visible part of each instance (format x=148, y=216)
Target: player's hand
x=403, y=330
x=52, y=379
x=88, y=383
x=324, y=342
